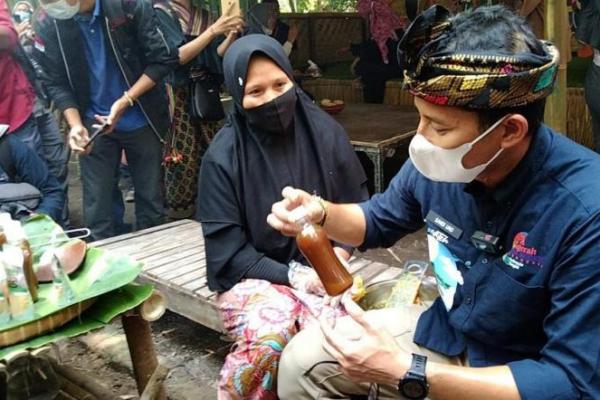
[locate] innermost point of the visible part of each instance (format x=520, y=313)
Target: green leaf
x=107, y=307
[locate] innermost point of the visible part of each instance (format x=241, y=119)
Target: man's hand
x=293, y=33
x=78, y=138
x=116, y=111
x=371, y=354
x=280, y=219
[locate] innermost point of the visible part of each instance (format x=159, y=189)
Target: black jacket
x=132, y=32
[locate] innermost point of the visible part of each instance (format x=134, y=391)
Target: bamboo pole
x=556, y=31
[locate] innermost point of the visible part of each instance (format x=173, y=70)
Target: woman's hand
x=305, y=279
x=226, y=24
x=293, y=33
x=280, y=219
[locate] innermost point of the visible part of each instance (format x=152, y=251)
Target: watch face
x=413, y=389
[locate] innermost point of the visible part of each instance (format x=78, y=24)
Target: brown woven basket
x=44, y=325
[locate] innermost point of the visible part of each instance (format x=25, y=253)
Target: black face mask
x=276, y=116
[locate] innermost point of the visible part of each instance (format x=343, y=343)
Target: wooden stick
x=154, y=385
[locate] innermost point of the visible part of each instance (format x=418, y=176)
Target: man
x=17, y=96
x=26, y=185
x=103, y=60
x=513, y=221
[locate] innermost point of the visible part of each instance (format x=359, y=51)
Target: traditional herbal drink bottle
x=15, y=235
x=316, y=247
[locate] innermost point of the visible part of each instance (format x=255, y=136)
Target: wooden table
x=175, y=262
x=378, y=130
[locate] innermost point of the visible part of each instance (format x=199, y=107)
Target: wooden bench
x=175, y=262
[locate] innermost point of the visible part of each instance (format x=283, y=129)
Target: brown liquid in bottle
x=316, y=247
x=30, y=277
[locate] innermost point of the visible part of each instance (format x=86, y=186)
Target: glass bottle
x=15, y=235
x=316, y=247
x=19, y=298
x=4, y=307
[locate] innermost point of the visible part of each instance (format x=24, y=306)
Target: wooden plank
x=191, y=276
x=357, y=264
x=128, y=236
x=166, y=251
x=182, y=270
x=372, y=270
x=196, y=285
x=189, y=305
x=160, y=267
x=156, y=237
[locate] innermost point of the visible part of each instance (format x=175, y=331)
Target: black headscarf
x=244, y=171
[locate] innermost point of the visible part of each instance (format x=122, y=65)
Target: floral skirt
x=262, y=318
x=187, y=142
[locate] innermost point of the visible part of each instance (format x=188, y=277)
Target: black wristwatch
x=413, y=384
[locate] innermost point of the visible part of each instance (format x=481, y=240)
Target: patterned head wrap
x=476, y=80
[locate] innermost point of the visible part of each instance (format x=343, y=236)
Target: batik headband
x=469, y=79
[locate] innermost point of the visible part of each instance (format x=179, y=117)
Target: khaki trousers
x=306, y=371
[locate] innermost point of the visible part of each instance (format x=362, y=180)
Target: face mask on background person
x=445, y=165
x=21, y=16
x=61, y=9
x=275, y=116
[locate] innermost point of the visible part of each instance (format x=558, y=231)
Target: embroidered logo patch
x=521, y=255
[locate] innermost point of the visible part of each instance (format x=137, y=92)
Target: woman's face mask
x=61, y=9
x=275, y=116
x=446, y=165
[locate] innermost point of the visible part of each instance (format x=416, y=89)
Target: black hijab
x=244, y=171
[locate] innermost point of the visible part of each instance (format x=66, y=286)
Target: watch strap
x=417, y=366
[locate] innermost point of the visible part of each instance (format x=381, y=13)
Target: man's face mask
x=61, y=9
x=445, y=165
x=275, y=116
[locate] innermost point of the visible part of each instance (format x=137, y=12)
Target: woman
x=264, y=18
x=201, y=50
x=275, y=137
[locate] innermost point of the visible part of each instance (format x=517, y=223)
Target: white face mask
x=61, y=9
x=445, y=165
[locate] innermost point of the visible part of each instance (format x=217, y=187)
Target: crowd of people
x=516, y=315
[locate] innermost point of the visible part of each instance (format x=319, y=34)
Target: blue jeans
x=56, y=153
x=99, y=176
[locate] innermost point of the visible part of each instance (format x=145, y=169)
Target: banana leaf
x=101, y=272
x=107, y=307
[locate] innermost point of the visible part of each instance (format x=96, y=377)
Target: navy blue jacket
x=532, y=304
x=30, y=168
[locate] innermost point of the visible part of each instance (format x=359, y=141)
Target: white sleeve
x=287, y=48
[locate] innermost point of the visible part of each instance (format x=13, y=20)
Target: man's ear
x=516, y=128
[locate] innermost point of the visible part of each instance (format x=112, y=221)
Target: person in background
x=17, y=95
x=55, y=151
x=276, y=136
x=202, y=40
x=376, y=60
x=102, y=61
x=264, y=18
x=21, y=171
x=588, y=32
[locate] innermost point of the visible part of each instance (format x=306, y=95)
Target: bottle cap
x=299, y=215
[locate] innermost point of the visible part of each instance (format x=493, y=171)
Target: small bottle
x=19, y=298
x=62, y=292
x=4, y=307
x=15, y=235
x=316, y=247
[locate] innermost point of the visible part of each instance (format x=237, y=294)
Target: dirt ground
x=194, y=353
